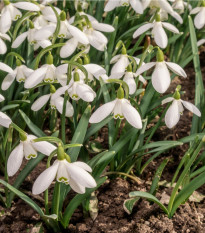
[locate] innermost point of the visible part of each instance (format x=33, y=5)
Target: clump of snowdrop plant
x=69, y=69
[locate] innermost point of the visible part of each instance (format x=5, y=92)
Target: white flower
x=75, y=174
x=176, y=109
x=36, y=37
x=20, y=73
x=158, y=32
x=121, y=62
x=199, y=20
x=200, y=42
x=161, y=76
x=10, y=13
x=137, y=5
x=165, y=7
x=49, y=14
x=180, y=5
x=5, y=121
x=27, y=149
x=46, y=73
x=56, y=102
x=3, y=48
x=121, y=108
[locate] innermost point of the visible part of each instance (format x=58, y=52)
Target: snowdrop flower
x=46, y=73
x=75, y=174
x=137, y=5
x=20, y=73
x=27, y=148
x=5, y=121
x=179, y=5
x=158, y=32
x=161, y=77
x=200, y=42
x=121, y=108
x=11, y=13
x=56, y=101
x=199, y=20
x=36, y=37
x=39, y=22
x=176, y=109
x=48, y=13
x=3, y=48
x=164, y=6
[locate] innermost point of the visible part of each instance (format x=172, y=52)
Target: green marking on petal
x=119, y=116
x=31, y=156
x=63, y=179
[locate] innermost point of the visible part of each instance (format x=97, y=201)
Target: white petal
x=45, y=179
x=161, y=77
x=112, y=4
x=160, y=35
x=45, y=32
x=5, y=120
x=69, y=48
x=191, y=108
x=59, y=105
x=115, y=58
x=96, y=41
x=95, y=70
x=200, y=42
x=144, y=68
x=167, y=100
x=137, y=6
x=62, y=173
x=120, y=65
x=15, y=160
x=77, y=187
x=5, y=68
x=131, y=114
x=26, y=6
x=36, y=77
x=49, y=14
x=5, y=37
x=144, y=81
x=5, y=22
x=60, y=91
x=80, y=176
x=176, y=69
x=27, y=71
x=3, y=47
x=45, y=148
x=78, y=34
x=62, y=69
x=85, y=92
x=8, y=80
x=19, y=40
x=1, y=98
x=172, y=115
x=83, y=165
x=102, y=27
x=29, y=151
x=195, y=10
x=142, y=29
x=199, y=20
x=44, y=43
x=177, y=17
x=170, y=27
x=40, y=102
x=129, y=79
x=15, y=13
x=102, y=112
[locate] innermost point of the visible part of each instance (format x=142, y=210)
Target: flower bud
x=120, y=93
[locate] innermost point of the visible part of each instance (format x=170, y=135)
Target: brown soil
x=111, y=217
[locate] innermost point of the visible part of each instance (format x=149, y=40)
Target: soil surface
x=111, y=217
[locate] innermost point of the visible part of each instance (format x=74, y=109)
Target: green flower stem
x=55, y=35
x=18, y=128
x=56, y=199
x=63, y=133
x=16, y=55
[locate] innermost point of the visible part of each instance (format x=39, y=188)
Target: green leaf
x=27, y=199
x=150, y=197
x=129, y=204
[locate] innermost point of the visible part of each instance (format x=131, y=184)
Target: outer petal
x=29, y=151
x=160, y=35
x=131, y=115
x=170, y=27
x=5, y=68
x=78, y=34
x=45, y=148
x=44, y=43
x=172, y=115
x=199, y=20
x=200, y=42
x=5, y=22
x=40, y=102
x=26, y=6
x=80, y=176
x=144, y=68
x=115, y=58
x=45, y=179
x=142, y=29
x=49, y=14
x=167, y=100
x=137, y=6
x=8, y=80
x=95, y=70
x=77, y=187
x=59, y=105
x=45, y=32
x=103, y=27
x=176, y=69
x=69, y=48
x=5, y=120
x=161, y=77
x=195, y=10
x=191, y=108
x=15, y=160
x=85, y=92
x=112, y=4
x=129, y=79
x=83, y=166
x=102, y=112
x=19, y=40
x=120, y=66
x=36, y=77
x=1, y=98
x=3, y=47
